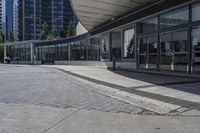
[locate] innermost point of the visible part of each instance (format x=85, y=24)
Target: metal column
x=5, y=52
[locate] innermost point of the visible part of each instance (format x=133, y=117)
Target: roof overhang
x=93, y=13
x=100, y=15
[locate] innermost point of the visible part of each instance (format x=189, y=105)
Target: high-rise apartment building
x=7, y=17
x=30, y=15
x=17, y=19
x=1, y=15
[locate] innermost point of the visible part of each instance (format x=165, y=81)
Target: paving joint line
x=57, y=123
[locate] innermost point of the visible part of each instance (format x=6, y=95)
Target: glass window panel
x=72, y=48
x=23, y=52
x=129, y=44
x=196, y=48
x=65, y=51
x=148, y=25
x=59, y=52
x=174, y=55
x=28, y=52
x=94, y=48
x=18, y=52
x=174, y=18
x=105, y=46
x=83, y=54
x=195, y=12
x=116, y=40
x=51, y=54
x=148, y=52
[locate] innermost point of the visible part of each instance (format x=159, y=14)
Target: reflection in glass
x=148, y=25
x=196, y=49
x=148, y=52
x=20, y=52
x=105, y=46
x=65, y=51
x=174, y=55
x=116, y=40
x=174, y=18
x=129, y=44
x=195, y=12
x=59, y=52
x=94, y=48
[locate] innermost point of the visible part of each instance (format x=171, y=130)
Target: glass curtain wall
x=173, y=43
x=20, y=52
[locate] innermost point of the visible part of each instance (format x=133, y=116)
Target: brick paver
x=48, y=87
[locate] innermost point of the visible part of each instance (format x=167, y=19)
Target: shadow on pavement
x=186, y=84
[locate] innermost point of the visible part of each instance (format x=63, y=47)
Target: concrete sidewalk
x=16, y=118
x=158, y=93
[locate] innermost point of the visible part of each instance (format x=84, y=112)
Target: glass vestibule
x=148, y=52
x=173, y=51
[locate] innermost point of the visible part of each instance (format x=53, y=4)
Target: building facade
x=30, y=15
x=160, y=36
x=1, y=14
x=7, y=18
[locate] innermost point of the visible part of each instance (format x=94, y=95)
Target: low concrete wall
x=102, y=64
x=122, y=65
x=27, y=62
x=21, y=62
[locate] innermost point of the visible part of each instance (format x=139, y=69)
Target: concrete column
x=5, y=53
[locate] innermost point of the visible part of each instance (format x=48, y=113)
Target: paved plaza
x=80, y=99
x=49, y=87
x=159, y=93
